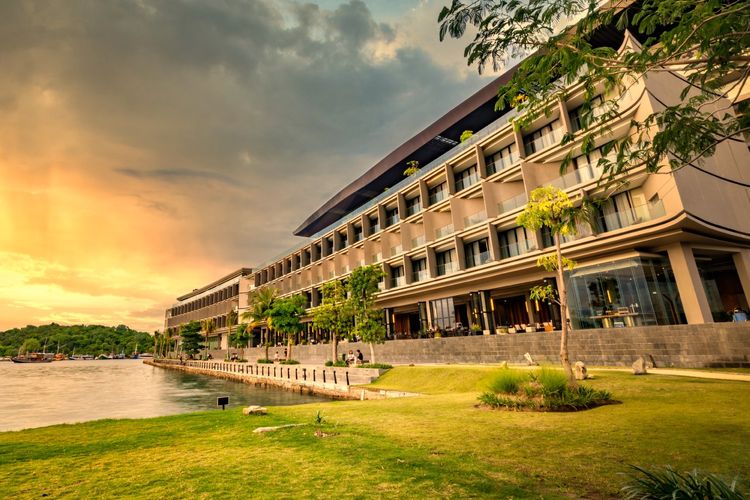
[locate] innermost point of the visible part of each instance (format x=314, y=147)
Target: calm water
x=77, y=391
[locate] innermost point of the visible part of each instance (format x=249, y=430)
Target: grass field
x=438, y=445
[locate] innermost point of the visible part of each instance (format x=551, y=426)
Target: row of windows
x=546, y=136
x=218, y=296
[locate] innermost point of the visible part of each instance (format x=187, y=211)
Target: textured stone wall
x=688, y=346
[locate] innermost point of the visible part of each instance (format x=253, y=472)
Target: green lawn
x=435, y=445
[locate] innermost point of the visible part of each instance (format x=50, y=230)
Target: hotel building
x=668, y=248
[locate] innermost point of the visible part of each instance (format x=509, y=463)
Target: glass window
x=477, y=253
x=443, y=314
x=374, y=226
x=466, y=178
x=514, y=242
x=541, y=139
x=358, y=234
x=413, y=205
x=397, y=276
x=438, y=193
x=419, y=270
x=596, y=110
x=391, y=216
x=502, y=159
x=445, y=262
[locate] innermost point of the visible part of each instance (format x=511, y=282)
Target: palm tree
x=231, y=321
x=260, y=303
x=168, y=341
x=208, y=326
x=157, y=342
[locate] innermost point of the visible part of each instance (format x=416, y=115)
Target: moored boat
x=31, y=358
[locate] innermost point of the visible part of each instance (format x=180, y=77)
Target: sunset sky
x=150, y=147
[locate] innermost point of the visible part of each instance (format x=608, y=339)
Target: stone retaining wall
x=687, y=346
x=313, y=379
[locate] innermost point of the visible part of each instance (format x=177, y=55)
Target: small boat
x=34, y=357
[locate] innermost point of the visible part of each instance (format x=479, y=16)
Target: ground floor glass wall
x=628, y=292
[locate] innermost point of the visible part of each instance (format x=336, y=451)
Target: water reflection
x=77, y=391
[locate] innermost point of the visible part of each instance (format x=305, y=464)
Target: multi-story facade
x=665, y=248
x=214, y=301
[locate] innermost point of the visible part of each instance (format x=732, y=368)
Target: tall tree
x=191, y=338
x=368, y=321
x=231, y=322
x=334, y=314
x=208, y=326
x=286, y=315
x=551, y=207
x=707, y=42
x=240, y=338
x=259, y=312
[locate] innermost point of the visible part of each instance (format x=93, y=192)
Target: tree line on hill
x=75, y=339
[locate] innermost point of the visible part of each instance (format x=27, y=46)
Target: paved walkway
x=741, y=377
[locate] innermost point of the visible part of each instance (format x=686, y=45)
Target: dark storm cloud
x=281, y=104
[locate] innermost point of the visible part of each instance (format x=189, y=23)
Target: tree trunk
x=562, y=291
x=265, y=344
x=335, y=344
x=289, y=344
x=372, y=352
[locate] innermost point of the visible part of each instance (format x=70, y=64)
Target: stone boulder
x=580, y=371
x=254, y=410
x=639, y=367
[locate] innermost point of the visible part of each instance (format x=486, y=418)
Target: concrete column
x=689, y=284
x=564, y=117
x=450, y=179
x=424, y=193
x=460, y=254
x=481, y=164
x=432, y=262
x=742, y=263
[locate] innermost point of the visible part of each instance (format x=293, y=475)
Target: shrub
x=668, y=483
x=508, y=381
x=340, y=364
x=552, y=382
x=380, y=366
x=264, y=361
x=241, y=361
x=288, y=362
x=329, y=363
x=546, y=389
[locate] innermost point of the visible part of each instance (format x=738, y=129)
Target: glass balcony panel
x=398, y=281
x=543, y=142
x=447, y=268
x=465, y=182
x=477, y=259
x=635, y=215
x=413, y=209
x=476, y=218
x=420, y=275
x=374, y=228
x=396, y=249
x=438, y=196
x=393, y=219
x=516, y=249
x=443, y=231
x=583, y=174
x=512, y=203
x=419, y=240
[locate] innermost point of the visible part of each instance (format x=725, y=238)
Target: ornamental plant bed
x=543, y=390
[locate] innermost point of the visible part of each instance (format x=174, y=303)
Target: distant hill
x=83, y=339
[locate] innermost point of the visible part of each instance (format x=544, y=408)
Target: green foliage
x=669, y=484
x=544, y=292
x=264, y=361
x=286, y=314
x=706, y=41
x=548, y=262
x=412, y=168
x=338, y=364
x=378, y=366
x=240, y=337
x=288, y=362
x=191, y=339
x=368, y=322
x=329, y=363
x=549, y=207
x=335, y=312
x=81, y=339
x=466, y=135
x=545, y=389
x=30, y=345
x=508, y=381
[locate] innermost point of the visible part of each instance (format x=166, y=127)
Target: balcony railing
x=543, y=142
x=413, y=209
x=396, y=249
x=374, y=228
x=447, y=268
x=438, y=196
x=377, y=257
x=516, y=249
x=512, y=203
x=393, y=219
x=419, y=240
x=477, y=259
x=398, y=281
x=504, y=163
x=635, y=215
x=443, y=231
x=579, y=176
x=475, y=218
x=465, y=182
x=420, y=275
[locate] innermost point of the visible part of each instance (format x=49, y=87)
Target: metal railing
x=447, y=268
